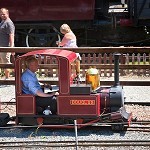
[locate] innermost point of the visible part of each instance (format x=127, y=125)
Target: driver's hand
x=56, y=93
x=48, y=86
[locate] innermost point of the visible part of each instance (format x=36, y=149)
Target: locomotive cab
x=68, y=97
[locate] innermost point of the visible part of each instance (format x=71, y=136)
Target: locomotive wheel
x=27, y=121
x=4, y=119
x=117, y=127
x=3, y=122
x=42, y=37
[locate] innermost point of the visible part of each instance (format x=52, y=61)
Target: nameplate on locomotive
x=82, y=102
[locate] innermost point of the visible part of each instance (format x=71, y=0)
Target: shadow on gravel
x=47, y=133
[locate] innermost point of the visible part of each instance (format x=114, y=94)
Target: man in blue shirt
x=30, y=85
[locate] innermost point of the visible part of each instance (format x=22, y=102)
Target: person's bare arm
x=63, y=42
x=11, y=41
x=66, y=38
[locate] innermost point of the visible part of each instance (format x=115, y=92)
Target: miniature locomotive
x=76, y=101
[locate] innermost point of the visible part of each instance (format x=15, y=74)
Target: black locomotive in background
x=95, y=22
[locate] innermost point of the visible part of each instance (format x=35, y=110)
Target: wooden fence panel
x=106, y=63
x=102, y=58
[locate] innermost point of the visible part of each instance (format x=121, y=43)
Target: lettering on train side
x=82, y=102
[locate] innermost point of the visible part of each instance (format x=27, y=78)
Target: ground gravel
x=7, y=93
x=83, y=134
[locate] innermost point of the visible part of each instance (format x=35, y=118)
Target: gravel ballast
x=132, y=94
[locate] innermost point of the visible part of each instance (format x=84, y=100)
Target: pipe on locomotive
x=116, y=69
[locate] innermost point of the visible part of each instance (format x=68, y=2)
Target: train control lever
x=77, y=79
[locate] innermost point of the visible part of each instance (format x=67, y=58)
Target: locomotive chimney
x=116, y=69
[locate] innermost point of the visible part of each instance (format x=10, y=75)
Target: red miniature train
x=76, y=101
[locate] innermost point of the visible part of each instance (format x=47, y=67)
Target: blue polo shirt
x=30, y=83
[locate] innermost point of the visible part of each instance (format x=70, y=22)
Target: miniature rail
x=70, y=144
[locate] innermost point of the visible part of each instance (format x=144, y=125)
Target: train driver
x=30, y=85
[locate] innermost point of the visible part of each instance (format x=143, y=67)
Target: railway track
x=32, y=143
x=69, y=144
x=138, y=103
x=142, y=126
